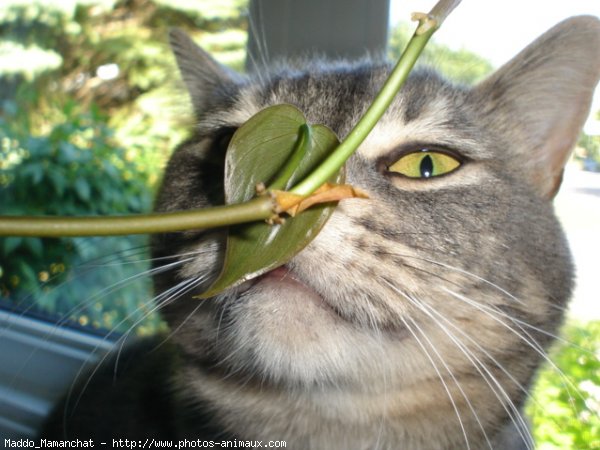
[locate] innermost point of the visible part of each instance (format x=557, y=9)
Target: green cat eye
x=425, y=164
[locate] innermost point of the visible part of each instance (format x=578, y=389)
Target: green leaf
x=262, y=149
x=11, y=243
x=83, y=189
x=37, y=173
x=58, y=182
x=28, y=275
x=67, y=153
x=35, y=245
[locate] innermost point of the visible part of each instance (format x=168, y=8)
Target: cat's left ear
x=207, y=80
x=540, y=100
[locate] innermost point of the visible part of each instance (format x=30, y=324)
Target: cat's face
x=424, y=302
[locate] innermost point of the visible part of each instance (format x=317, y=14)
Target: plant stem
x=428, y=24
x=260, y=208
x=302, y=147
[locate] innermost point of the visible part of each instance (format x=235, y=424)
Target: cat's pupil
x=426, y=167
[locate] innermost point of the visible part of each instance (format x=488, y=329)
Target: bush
x=565, y=405
x=588, y=151
x=89, y=79
x=73, y=169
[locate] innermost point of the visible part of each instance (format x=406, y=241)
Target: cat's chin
x=288, y=297
x=282, y=329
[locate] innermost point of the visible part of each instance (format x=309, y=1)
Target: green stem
x=301, y=148
x=260, y=208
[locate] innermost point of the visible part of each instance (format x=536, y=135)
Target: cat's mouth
x=283, y=281
x=282, y=276
x=279, y=273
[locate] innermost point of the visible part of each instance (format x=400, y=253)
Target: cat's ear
x=207, y=80
x=540, y=99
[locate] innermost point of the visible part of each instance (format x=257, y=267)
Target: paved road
x=578, y=206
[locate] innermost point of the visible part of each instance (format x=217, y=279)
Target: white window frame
x=38, y=362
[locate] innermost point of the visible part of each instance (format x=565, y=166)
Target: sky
x=498, y=29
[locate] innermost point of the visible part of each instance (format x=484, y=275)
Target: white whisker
x=160, y=301
x=261, y=45
x=441, y=378
x=528, y=339
x=81, y=307
x=479, y=365
x=420, y=305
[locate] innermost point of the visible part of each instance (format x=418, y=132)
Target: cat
x=417, y=318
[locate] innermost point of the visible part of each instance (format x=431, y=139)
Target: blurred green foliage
x=73, y=169
x=565, y=406
x=88, y=97
x=590, y=156
x=115, y=55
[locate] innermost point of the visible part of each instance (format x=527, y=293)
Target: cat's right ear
x=206, y=80
x=540, y=100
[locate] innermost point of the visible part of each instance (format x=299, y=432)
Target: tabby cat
x=417, y=318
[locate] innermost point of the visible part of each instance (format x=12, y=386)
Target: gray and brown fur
x=417, y=318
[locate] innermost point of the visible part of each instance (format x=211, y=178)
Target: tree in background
x=114, y=54
x=89, y=94
x=589, y=151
